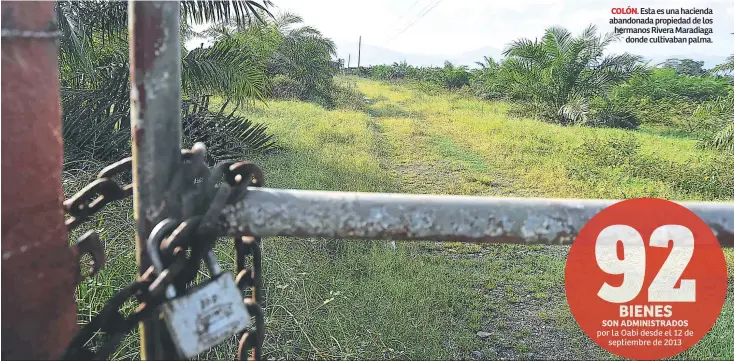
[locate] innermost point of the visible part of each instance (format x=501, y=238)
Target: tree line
x=570, y=80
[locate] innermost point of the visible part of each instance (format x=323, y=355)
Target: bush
x=609, y=151
x=664, y=97
x=613, y=116
x=664, y=83
x=455, y=78
x=283, y=87
x=704, y=174
x=348, y=97
x=449, y=76
x=719, y=119
x=667, y=111
x=382, y=72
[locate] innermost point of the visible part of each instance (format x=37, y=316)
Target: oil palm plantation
x=558, y=75
x=94, y=71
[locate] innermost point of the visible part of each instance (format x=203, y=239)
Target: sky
x=452, y=27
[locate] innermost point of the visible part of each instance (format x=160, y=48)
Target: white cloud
x=457, y=26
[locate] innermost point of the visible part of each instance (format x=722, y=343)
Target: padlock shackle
x=212, y=264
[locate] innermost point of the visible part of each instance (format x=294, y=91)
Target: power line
x=401, y=17
x=406, y=11
x=426, y=9
x=421, y=14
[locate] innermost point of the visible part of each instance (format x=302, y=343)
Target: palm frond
x=575, y=111
x=217, y=11
x=226, y=136
x=724, y=139
x=225, y=69
x=725, y=67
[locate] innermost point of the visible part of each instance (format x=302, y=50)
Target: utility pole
x=349, y=60
x=359, y=51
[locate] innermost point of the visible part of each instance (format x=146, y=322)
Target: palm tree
x=304, y=54
x=725, y=67
x=721, y=109
x=94, y=71
x=487, y=63
x=298, y=52
x=559, y=74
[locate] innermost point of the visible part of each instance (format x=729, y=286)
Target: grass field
x=428, y=300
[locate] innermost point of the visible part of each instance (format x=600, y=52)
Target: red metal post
x=38, y=268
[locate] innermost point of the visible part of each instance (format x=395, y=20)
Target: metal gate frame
x=156, y=129
x=35, y=245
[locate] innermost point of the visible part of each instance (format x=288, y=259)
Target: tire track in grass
x=518, y=318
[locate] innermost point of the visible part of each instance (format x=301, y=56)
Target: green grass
x=427, y=300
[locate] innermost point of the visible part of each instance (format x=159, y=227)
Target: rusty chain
x=90, y=200
x=112, y=322
x=246, y=245
x=102, y=191
x=203, y=197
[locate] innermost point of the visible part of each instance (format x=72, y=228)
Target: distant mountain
x=709, y=61
x=375, y=55
x=470, y=58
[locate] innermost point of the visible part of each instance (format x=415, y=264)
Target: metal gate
x=39, y=272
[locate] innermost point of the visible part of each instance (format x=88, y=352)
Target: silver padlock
x=207, y=314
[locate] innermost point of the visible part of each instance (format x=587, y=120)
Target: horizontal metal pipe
x=268, y=212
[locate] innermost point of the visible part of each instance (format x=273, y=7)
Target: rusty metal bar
x=268, y=212
x=155, y=101
x=39, y=271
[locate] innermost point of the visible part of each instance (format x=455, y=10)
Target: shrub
x=664, y=83
x=664, y=97
x=667, y=111
x=381, y=72
x=720, y=116
x=613, y=115
x=609, y=151
x=454, y=77
x=348, y=97
x=284, y=87
x=705, y=174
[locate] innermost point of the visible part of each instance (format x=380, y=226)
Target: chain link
x=241, y=176
x=203, y=196
x=102, y=191
x=90, y=200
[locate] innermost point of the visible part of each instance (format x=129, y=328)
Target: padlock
x=207, y=314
